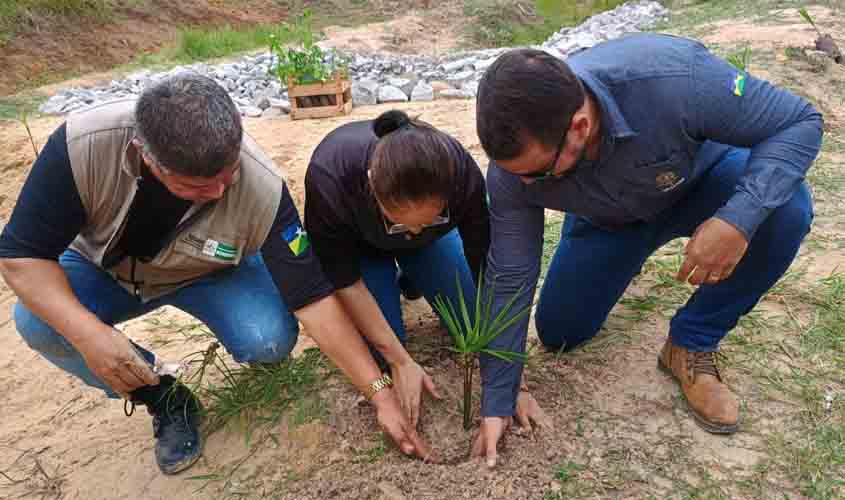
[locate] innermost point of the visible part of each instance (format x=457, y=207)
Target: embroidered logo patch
x=222, y=251
x=668, y=181
x=296, y=238
x=739, y=85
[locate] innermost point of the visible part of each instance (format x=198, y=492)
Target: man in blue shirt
x=640, y=141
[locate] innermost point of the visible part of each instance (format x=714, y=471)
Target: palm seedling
x=824, y=42
x=473, y=332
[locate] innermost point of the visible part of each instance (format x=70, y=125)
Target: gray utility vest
x=211, y=237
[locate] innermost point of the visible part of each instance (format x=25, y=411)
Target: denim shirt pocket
x=664, y=174
x=650, y=186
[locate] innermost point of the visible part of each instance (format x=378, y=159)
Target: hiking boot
x=176, y=416
x=407, y=288
x=713, y=405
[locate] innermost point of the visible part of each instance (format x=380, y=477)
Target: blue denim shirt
x=670, y=109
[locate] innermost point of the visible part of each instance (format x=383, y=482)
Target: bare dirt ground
x=622, y=429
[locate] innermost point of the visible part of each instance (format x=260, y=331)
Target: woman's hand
x=410, y=379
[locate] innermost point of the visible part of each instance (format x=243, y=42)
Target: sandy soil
x=621, y=427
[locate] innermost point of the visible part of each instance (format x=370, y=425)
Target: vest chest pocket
x=208, y=249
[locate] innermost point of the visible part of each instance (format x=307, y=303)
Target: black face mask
x=581, y=163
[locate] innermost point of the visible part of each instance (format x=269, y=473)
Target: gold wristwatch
x=376, y=385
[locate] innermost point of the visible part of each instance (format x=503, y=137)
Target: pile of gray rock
x=376, y=78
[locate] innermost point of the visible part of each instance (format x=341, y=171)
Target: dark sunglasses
x=547, y=171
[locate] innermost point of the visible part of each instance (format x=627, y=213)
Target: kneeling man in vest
x=164, y=200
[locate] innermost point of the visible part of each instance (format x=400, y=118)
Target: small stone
x=484, y=64
x=455, y=94
x=365, y=92
x=282, y=104
x=422, y=92
x=440, y=86
x=458, y=65
x=470, y=87
x=251, y=111
x=460, y=78
x=53, y=106
x=389, y=93
x=272, y=113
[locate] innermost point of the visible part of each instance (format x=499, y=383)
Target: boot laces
x=704, y=363
x=174, y=413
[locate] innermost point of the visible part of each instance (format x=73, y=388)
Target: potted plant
x=473, y=332
x=317, y=80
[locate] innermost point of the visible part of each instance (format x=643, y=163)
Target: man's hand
x=528, y=410
x=410, y=379
x=712, y=253
x=397, y=426
x=492, y=430
x=114, y=360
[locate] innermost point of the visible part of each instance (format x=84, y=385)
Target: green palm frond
x=474, y=332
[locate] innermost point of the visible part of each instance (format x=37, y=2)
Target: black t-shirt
x=49, y=215
x=345, y=223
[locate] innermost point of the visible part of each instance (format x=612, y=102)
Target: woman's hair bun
x=390, y=121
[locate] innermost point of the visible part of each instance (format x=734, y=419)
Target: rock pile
x=376, y=77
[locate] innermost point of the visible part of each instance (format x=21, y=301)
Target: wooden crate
x=320, y=100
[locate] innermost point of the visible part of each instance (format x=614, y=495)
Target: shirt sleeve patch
x=296, y=238
x=739, y=85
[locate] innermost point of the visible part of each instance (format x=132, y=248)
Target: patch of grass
x=566, y=472
x=253, y=396
x=201, y=44
x=17, y=13
x=689, y=19
x=815, y=458
x=13, y=107
x=504, y=23
x=740, y=59
x=551, y=239
x=826, y=335
x=375, y=453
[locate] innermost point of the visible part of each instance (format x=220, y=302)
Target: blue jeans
x=432, y=270
x=592, y=267
x=241, y=306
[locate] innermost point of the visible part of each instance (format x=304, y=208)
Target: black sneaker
x=176, y=417
x=409, y=291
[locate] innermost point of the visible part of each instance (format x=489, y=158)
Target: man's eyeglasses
x=439, y=220
x=547, y=171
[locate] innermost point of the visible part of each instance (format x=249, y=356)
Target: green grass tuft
x=503, y=23
x=252, y=396
x=15, y=13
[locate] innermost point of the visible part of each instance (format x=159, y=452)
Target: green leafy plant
x=741, y=59
x=305, y=61
x=806, y=15
x=473, y=333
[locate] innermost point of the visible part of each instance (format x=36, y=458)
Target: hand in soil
x=712, y=253
x=115, y=361
x=528, y=411
x=492, y=430
x=410, y=379
x=394, y=422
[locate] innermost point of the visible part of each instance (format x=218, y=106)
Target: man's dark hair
x=189, y=125
x=525, y=94
x=412, y=161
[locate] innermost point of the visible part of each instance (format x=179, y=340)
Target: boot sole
x=187, y=464
x=705, y=424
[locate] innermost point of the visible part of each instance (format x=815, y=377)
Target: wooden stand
x=320, y=100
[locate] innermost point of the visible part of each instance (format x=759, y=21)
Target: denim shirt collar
x=612, y=116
